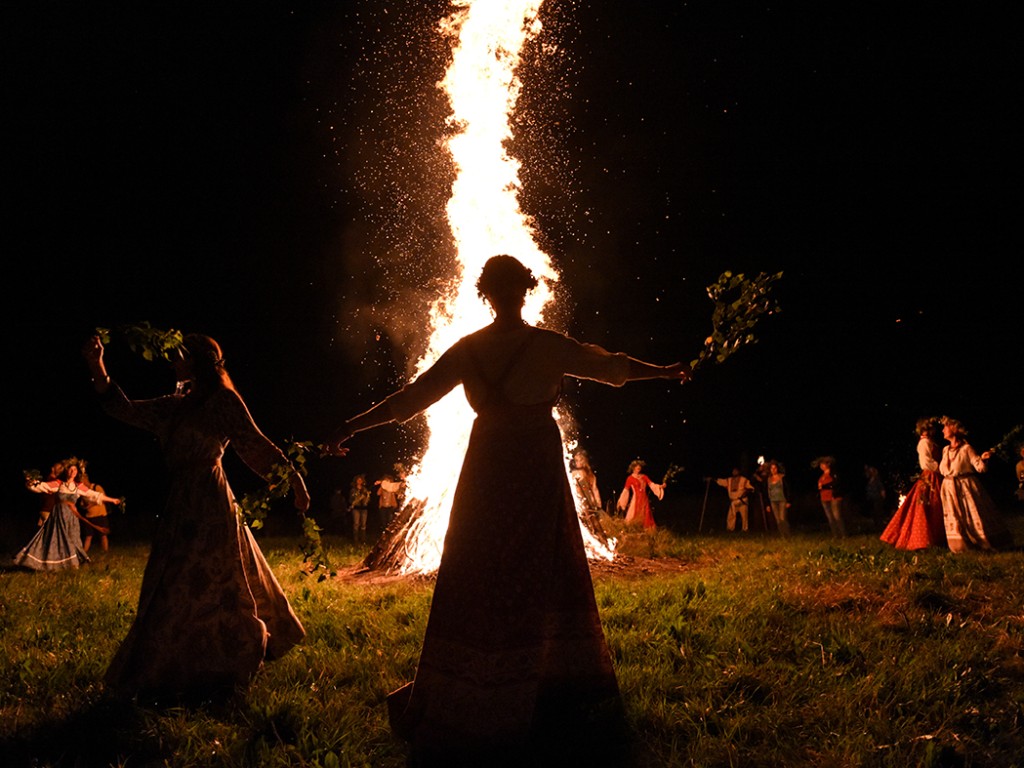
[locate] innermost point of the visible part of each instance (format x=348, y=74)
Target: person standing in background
x=634, y=500
x=874, y=495
x=358, y=507
x=390, y=490
x=588, y=494
x=95, y=520
x=739, y=488
x=777, y=488
x=971, y=518
x=831, y=494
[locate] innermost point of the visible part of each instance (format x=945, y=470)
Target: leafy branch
x=739, y=304
x=1002, y=448
x=670, y=473
x=152, y=343
x=255, y=506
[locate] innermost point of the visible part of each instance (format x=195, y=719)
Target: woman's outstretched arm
x=639, y=370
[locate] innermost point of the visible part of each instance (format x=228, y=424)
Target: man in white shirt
x=739, y=489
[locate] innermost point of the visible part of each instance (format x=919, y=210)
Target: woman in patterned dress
x=210, y=610
x=514, y=667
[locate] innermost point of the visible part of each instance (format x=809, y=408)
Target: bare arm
x=374, y=417
x=92, y=351
x=95, y=495
x=413, y=398
x=639, y=370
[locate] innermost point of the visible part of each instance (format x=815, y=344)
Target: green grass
x=730, y=651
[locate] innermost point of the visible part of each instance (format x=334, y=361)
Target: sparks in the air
x=485, y=219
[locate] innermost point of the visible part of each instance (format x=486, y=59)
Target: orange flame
x=485, y=219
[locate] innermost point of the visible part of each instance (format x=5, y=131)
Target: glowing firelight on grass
x=485, y=219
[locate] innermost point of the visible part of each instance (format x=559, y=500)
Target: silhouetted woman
x=210, y=610
x=514, y=665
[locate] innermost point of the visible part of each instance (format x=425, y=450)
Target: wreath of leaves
x=152, y=343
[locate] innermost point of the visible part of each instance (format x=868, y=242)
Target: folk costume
x=514, y=656
x=210, y=610
x=971, y=518
x=918, y=522
x=58, y=542
x=739, y=489
x=635, y=501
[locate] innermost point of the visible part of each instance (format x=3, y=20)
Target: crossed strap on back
x=495, y=393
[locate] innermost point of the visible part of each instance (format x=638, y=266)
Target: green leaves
x=670, y=473
x=739, y=305
x=1003, y=449
x=152, y=343
x=158, y=344
x=255, y=506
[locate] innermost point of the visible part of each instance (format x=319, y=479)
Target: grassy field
x=730, y=650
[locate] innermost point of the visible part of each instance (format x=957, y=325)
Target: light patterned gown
x=971, y=517
x=58, y=542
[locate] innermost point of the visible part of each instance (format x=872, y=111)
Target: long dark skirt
x=514, y=659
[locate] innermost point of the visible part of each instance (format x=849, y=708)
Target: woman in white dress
x=971, y=518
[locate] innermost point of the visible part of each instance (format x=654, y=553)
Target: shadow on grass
x=107, y=733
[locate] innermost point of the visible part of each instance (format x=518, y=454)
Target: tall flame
x=485, y=219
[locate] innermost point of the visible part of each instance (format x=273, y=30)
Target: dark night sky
x=267, y=173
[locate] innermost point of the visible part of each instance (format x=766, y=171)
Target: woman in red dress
x=917, y=523
x=633, y=498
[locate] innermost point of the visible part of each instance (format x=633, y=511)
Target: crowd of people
x=514, y=662
x=946, y=506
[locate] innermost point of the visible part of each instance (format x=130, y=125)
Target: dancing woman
x=58, y=542
x=634, y=500
x=210, y=610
